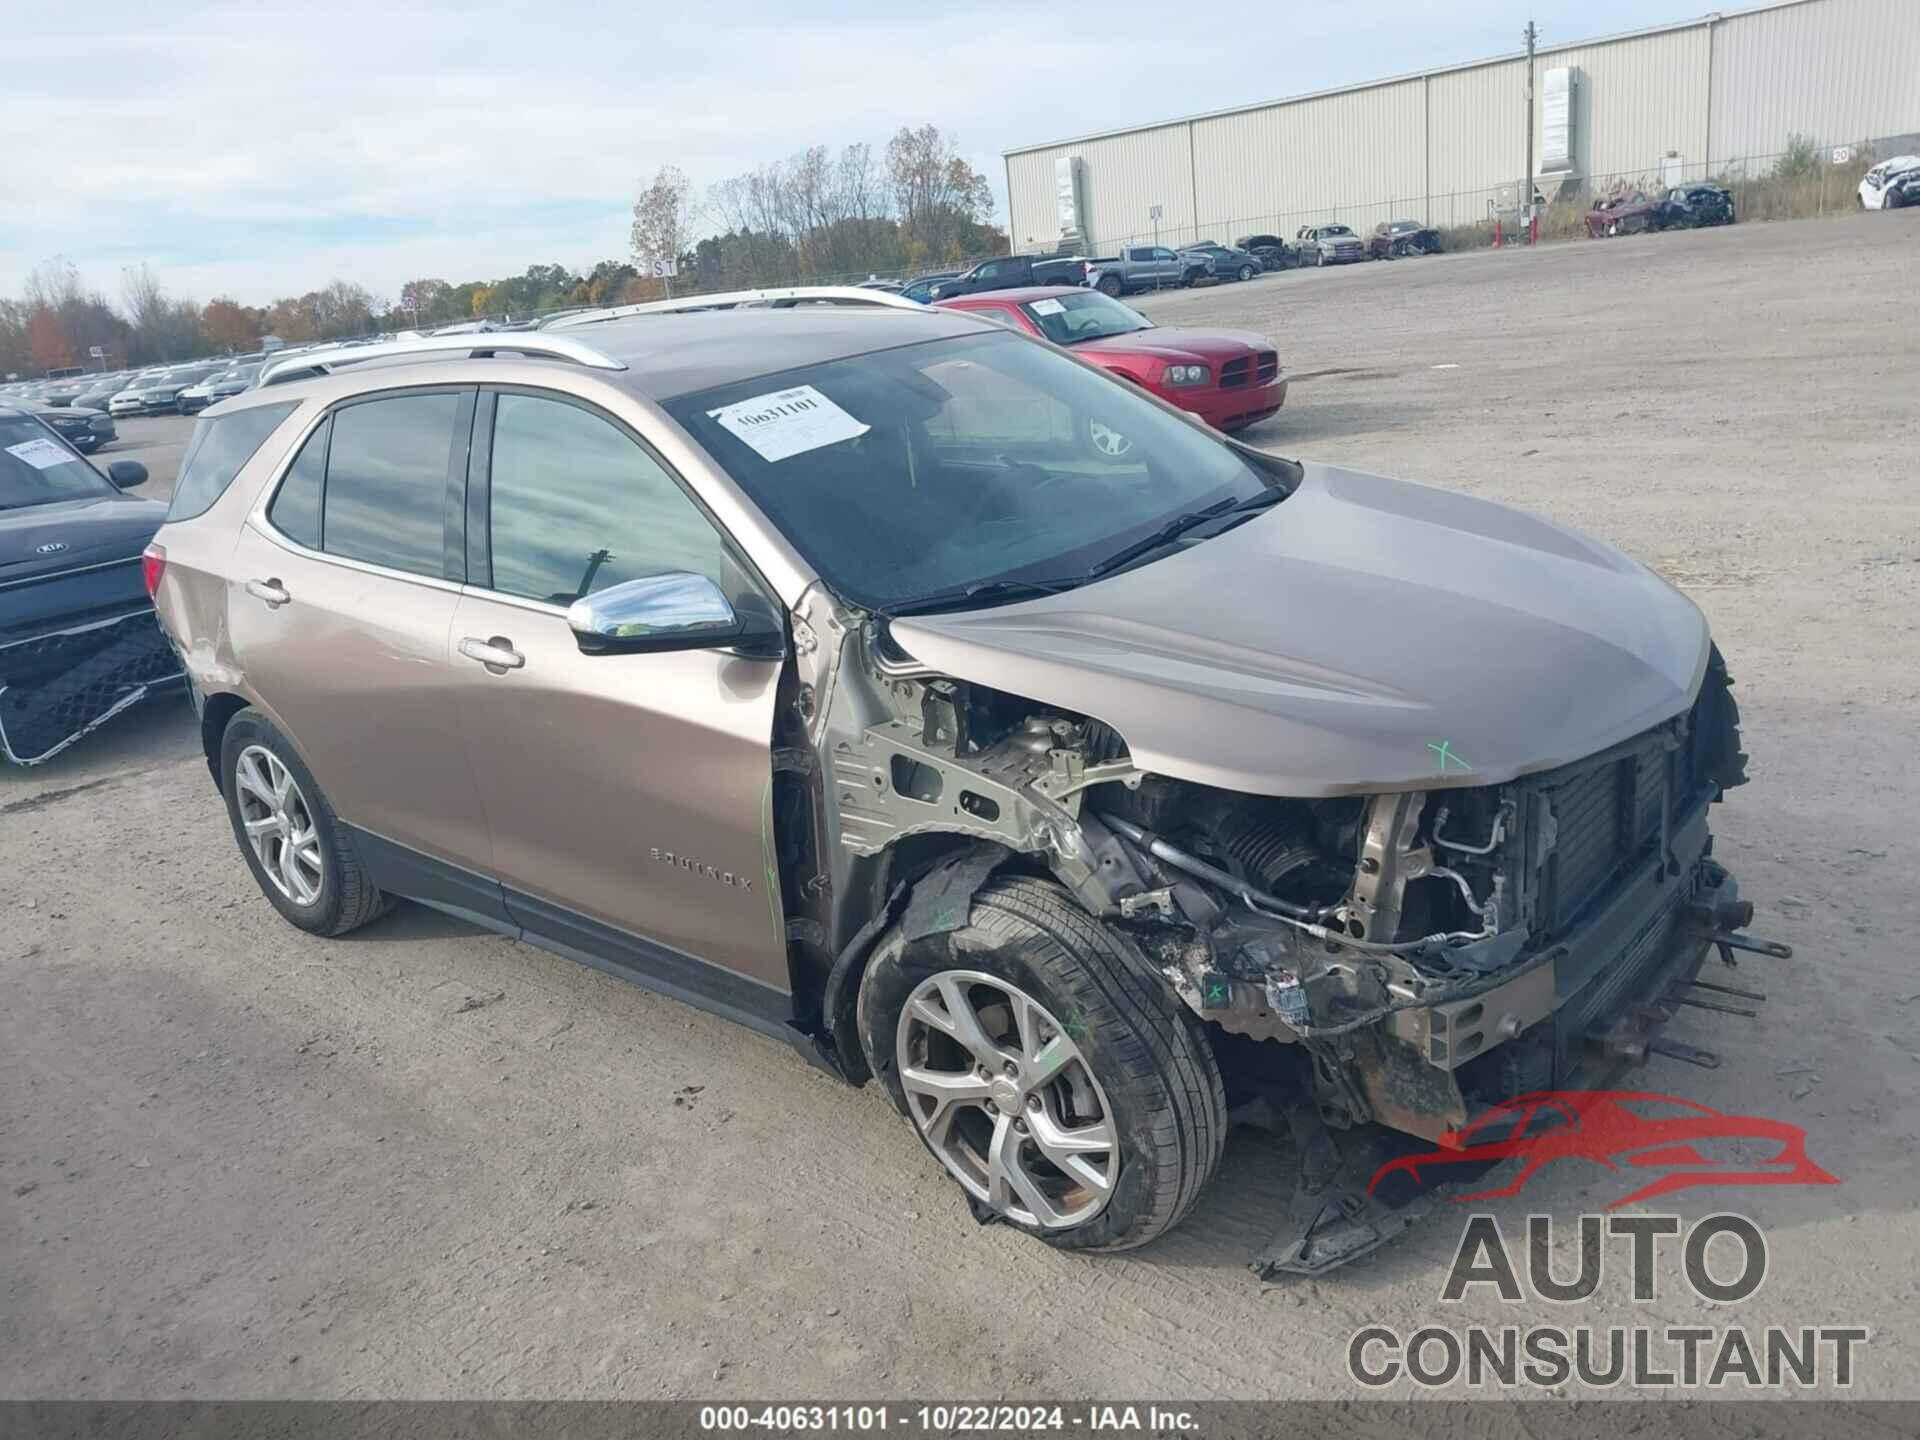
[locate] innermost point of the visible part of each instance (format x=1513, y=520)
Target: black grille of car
x=1267, y=365
x=1234, y=373
x=1606, y=810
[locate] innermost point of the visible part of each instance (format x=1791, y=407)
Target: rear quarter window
x=220, y=447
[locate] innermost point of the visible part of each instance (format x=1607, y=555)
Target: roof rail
x=785, y=298
x=307, y=363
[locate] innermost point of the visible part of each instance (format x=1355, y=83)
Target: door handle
x=497, y=653
x=270, y=591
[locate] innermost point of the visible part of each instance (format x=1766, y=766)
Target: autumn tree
x=231, y=326
x=47, y=340
x=16, y=350
x=940, y=199
x=428, y=302
x=663, y=218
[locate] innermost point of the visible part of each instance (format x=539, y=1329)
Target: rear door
x=628, y=794
x=340, y=605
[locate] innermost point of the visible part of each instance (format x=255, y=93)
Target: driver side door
x=627, y=795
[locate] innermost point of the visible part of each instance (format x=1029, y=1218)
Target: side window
x=1164, y=254
x=386, y=491
x=992, y=270
x=1001, y=315
x=1136, y=255
x=219, y=448
x=578, y=506
x=295, y=511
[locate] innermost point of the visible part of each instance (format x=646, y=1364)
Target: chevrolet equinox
x=832, y=669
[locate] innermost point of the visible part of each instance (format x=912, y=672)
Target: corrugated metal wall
x=1441, y=146
x=1125, y=176
x=1836, y=70
x=1343, y=152
x=1637, y=99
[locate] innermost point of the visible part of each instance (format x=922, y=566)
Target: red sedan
x=1229, y=378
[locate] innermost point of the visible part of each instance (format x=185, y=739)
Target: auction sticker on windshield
x=41, y=454
x=1047, y=307
x=789, y=422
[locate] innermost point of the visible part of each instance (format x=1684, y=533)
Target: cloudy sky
x=257, y=150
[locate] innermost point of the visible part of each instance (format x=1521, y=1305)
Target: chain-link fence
x=1805, y=180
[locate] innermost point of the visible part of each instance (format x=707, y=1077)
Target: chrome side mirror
x=674, y=611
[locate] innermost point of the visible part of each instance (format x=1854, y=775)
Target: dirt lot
x=425, y=1161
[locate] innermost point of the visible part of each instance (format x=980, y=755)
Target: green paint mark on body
x=1444, y=749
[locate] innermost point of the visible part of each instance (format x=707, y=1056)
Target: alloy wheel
x=1003, y=1095
x=279, y=825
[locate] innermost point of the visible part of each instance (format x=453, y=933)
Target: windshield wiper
x=984, y=590
x=1181, y=524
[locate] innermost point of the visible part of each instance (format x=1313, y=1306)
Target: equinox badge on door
x=694, y=867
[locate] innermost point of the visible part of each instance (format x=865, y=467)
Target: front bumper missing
x=59, y=687
x=1618, y=991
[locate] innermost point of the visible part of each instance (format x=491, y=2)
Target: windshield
x=951, y=464
x=36, y=468
x=1335, y=230
x=1084, y=315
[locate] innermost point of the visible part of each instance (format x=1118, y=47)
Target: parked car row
x=84, y=407
x=1631, y=212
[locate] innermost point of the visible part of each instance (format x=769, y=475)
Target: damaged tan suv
x=913, y=692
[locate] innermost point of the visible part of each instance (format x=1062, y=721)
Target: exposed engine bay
x=1414, y=946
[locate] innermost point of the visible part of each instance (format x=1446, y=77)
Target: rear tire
x=1110, y=286
x=1139, y=1064
x=316, y=881
x=1246, y=272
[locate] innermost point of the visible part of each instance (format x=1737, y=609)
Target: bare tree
x=663, y=218
x=143, y=296
x=939, y=197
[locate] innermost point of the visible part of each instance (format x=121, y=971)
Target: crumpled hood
x=1364, y=635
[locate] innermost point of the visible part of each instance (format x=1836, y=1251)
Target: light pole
x=1533, y=36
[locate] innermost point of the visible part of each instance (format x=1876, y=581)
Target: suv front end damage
x=1395, y=961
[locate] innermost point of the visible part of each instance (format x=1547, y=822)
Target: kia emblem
x=52, y=547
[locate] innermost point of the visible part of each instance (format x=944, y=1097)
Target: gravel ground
x=425, y=1161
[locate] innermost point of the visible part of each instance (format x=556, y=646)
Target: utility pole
x=1533, y=37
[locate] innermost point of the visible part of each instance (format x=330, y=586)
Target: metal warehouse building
x=1685, y=101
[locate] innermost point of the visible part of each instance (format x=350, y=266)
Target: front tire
x=1047, y=1067
x=288, y=834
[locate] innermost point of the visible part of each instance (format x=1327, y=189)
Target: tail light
x=153, y=564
